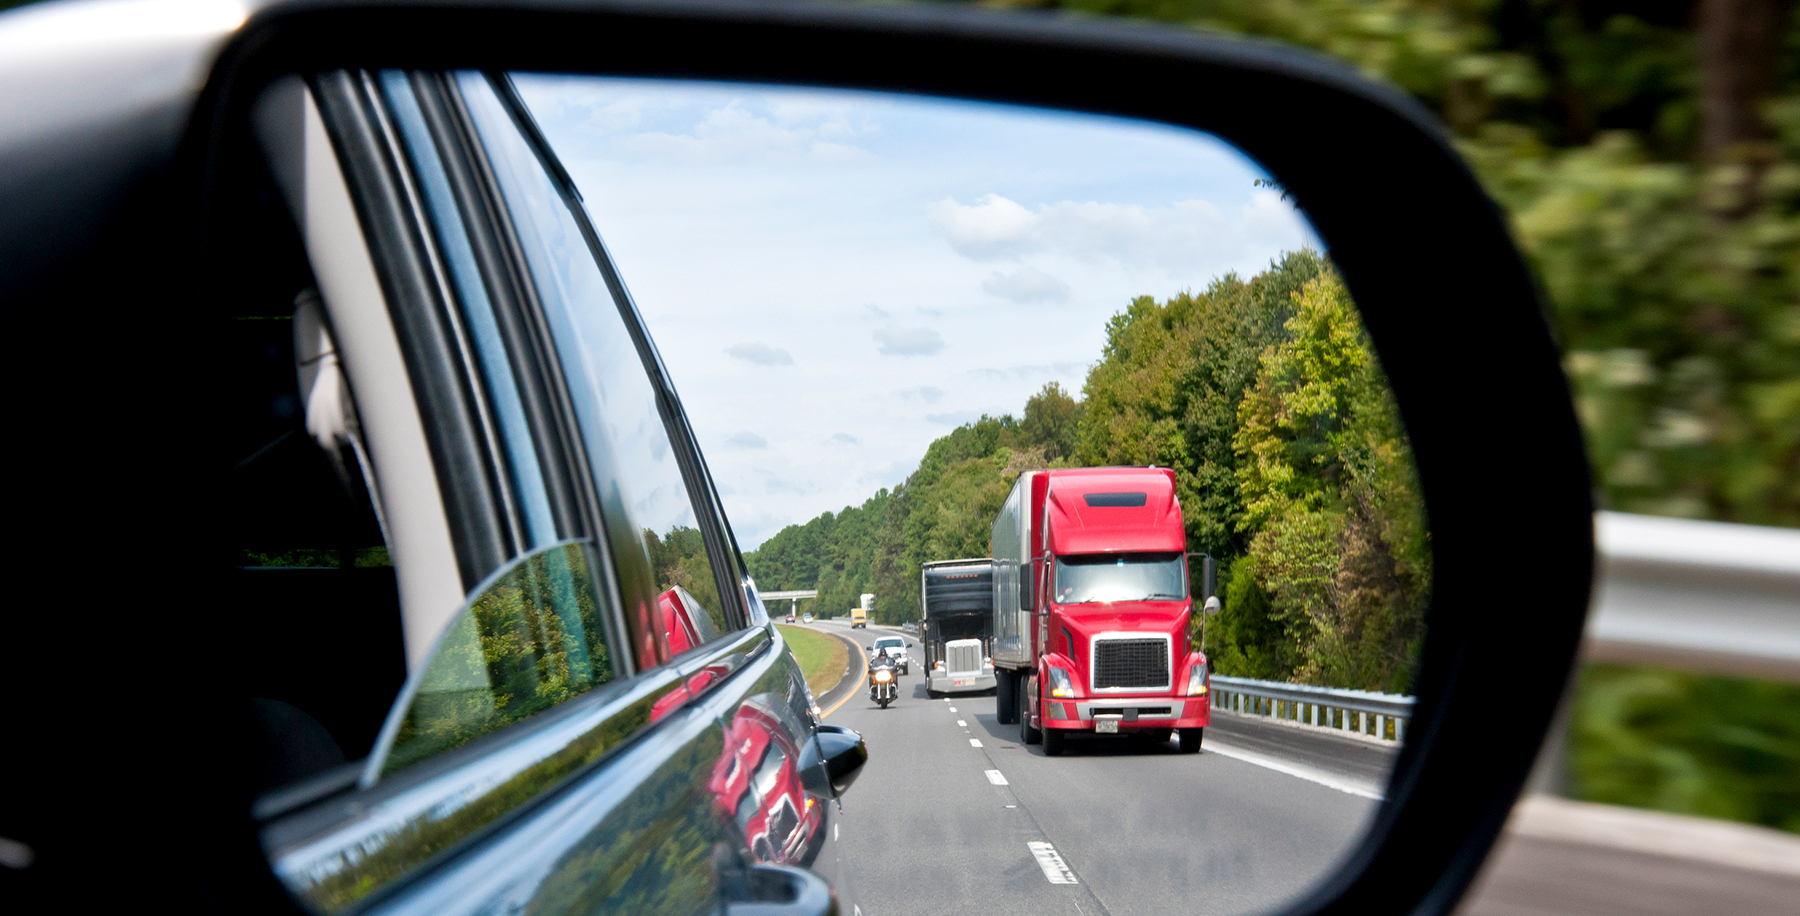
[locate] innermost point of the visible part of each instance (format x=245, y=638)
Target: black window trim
x=708, y=514
x=472, y=482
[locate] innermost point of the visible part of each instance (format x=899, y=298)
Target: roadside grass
x=822, y=658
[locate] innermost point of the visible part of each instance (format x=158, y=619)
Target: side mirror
x=1208, y=575
x=1212, y=605
x=832, y=761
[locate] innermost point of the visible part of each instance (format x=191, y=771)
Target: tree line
x=1293, y=471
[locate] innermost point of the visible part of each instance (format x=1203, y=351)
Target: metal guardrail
x=1711, y=597
x=1383, y=715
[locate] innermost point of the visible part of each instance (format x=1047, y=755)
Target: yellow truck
x=859, y=618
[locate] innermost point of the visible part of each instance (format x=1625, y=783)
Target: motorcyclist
x=877, y=663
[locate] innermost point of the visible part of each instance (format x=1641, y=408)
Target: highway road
x=953, y=814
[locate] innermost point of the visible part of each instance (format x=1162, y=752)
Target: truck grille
x=1131, y=663
x=962, y=659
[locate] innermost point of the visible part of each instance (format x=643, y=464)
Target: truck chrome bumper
x=1135, y=712
x=965, y=683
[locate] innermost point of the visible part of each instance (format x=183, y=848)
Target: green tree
x=1052, y=421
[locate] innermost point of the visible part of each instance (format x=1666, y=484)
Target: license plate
x=961, y=682
x=1106, y=726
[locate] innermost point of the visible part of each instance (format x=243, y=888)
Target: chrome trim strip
x=1116, y=708
x=1115, y=635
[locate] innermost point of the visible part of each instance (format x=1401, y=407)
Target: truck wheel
x=1027, y=734
x=1006, y=700
x=1053, y=742
x=1190, y=740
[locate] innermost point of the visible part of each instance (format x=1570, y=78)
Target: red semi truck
x=1091, y=609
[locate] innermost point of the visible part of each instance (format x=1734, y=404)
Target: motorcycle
x=881, y=686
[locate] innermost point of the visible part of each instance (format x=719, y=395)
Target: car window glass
x=530, y=638
x=477, y=309
x=614, y=399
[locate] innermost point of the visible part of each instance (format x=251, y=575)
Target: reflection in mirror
x=885, y=314
x=529, y=639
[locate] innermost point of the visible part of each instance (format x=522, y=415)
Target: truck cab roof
x=1113, y=510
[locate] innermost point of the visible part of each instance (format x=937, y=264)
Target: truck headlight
x=1060, y=688
x=1197, y=680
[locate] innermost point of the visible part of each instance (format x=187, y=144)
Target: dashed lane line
x=997, y=778
x=974, y=742
x=1055, y=869
x=961, y=724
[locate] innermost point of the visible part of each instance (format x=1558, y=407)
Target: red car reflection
x=682, y=624
x=757, y=784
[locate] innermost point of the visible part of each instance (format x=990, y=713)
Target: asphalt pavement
x=953, y=812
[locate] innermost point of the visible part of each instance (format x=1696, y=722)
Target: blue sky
x=837, y=278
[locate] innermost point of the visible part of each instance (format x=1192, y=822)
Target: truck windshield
x=1099, y=578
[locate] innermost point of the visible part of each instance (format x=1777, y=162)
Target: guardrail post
x=1381, y=727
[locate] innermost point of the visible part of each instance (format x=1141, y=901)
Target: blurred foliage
x=1292, y=469
x=1648, y=156
x=1671, y=255
x=1688, y=743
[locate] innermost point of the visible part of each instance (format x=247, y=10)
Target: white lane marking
x=1052, y=863
x=974, y=742
x=1295, y=770
x=996, y=777
x=961, y=724
x=952, y=709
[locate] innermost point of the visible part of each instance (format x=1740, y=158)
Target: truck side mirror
x=1208, y=575
x=1212, y=605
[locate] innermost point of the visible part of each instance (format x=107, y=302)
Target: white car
x=896, y=650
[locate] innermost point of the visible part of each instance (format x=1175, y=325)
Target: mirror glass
x=900, y=327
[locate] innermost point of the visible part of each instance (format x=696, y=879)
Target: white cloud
x=954, y=417
x=1174, y=238
x=898, y=341
x=1027, y=284
x=761, y=354
x=845, y=439
x=930, y=394
x=746, y=439
x=992, y=228
x=733, y=132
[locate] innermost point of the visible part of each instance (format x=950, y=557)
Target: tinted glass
x=612, y=392
x=1130, y=577
x=477, y=311
x=530, y=639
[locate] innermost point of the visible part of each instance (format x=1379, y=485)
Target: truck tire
x=1053, y=742
x=1006, y=698
x=1190, y=740
x=1027, y=734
